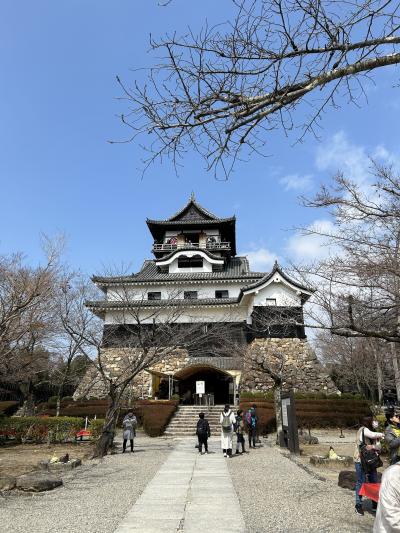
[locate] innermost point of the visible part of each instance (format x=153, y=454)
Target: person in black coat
x=203, y=432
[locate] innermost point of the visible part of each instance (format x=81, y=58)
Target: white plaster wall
x=173, y=291
x=283, y=294
x=188, y=315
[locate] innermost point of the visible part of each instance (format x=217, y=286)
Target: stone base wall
x=301, y=369
x=93, y=386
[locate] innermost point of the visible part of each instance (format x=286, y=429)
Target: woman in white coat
x=227, y=419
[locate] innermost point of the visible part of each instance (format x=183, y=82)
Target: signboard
x=200, y=387
x=285, y=405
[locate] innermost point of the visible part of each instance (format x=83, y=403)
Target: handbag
x=370, y=459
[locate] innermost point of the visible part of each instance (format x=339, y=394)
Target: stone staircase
x=184, y=421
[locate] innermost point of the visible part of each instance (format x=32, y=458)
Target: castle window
x=190, y=262
x=222, y=294
x=270, y=301
x=190, y=295
x=154, y=295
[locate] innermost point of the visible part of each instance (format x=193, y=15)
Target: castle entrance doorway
x=218, y=385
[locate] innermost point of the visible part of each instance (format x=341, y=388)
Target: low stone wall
x=301, y=368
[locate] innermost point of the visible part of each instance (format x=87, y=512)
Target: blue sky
x=58, y=62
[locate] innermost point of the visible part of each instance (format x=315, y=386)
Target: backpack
x=226, y=421
x=248, y=417
x=370, y=459
x=202, y=427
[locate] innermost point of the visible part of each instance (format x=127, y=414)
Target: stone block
x=7, y=482
x=38, y=482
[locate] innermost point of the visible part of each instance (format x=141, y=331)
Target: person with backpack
x=129, y=424
x=366, y=457
x=203, y=432
x=252, y=423
x=227, y=420
x=239, y=430
x=392, y=436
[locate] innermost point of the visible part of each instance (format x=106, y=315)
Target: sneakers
x=359, y=510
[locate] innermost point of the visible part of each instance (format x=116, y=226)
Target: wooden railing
x=168, y=247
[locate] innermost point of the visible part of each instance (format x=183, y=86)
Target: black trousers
x=203, y=440
x=124, y=445
x=240, y=440
x=252, y=436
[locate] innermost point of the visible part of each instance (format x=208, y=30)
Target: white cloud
x=295, y=182
x=338, y=153
x=311, y=247
x=261, y=259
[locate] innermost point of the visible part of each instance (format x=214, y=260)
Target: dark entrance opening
x=217, y=382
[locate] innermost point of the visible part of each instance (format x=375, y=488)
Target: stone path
x=191, y=493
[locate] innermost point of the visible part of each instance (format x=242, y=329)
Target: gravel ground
x=94, y=499
x=276, y=495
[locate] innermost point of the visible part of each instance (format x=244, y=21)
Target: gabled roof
x=191, y=212
x=267, y=277
x=194, y=251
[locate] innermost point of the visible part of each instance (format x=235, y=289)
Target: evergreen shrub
x=40, y=429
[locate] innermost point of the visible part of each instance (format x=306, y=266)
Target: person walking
x=387, y=518
x=252, y=423
x=227, y=419
x=203, y=433
x=367, y=437
x=239, y=430
x=392, y=436
x=129, y=424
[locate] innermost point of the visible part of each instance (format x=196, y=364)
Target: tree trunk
x=106, y=438
x=278, y=411
x=395, y=363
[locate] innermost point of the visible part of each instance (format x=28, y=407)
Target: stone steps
x=185, y=420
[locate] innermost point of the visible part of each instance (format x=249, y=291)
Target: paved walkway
x=191, y=493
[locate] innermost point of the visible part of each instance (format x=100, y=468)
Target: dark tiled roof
x=193, y=213
x=235, y=268
x=105, y=305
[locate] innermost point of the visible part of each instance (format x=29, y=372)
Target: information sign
x=200, y=387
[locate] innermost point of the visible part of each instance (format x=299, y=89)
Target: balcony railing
x=206, y=246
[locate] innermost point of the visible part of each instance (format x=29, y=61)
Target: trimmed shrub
x=154, y=416
x=95, y=427
x=317, y=413
x=40, y=429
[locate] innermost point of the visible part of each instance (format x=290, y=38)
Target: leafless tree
x=27, y=311
x=145, y=333
x=359, y=282
x=222, y=90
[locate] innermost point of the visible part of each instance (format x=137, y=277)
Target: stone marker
x=38, y=482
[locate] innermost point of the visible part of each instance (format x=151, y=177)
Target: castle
x=195, y=259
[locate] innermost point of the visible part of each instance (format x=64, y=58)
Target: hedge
x=40, y=429
x=154, y=415
x=330, y=413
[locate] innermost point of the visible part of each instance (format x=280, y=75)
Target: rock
x=307, y=439
x=38, y=482
x=7, y=482
x=347, y=479
x=320, y=460
x=59, y=467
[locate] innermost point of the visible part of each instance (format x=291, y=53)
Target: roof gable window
x=190, y=262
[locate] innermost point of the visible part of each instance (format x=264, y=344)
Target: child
x=203, y=432
x=239, y=429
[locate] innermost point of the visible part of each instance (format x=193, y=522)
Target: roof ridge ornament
x=192, y=197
